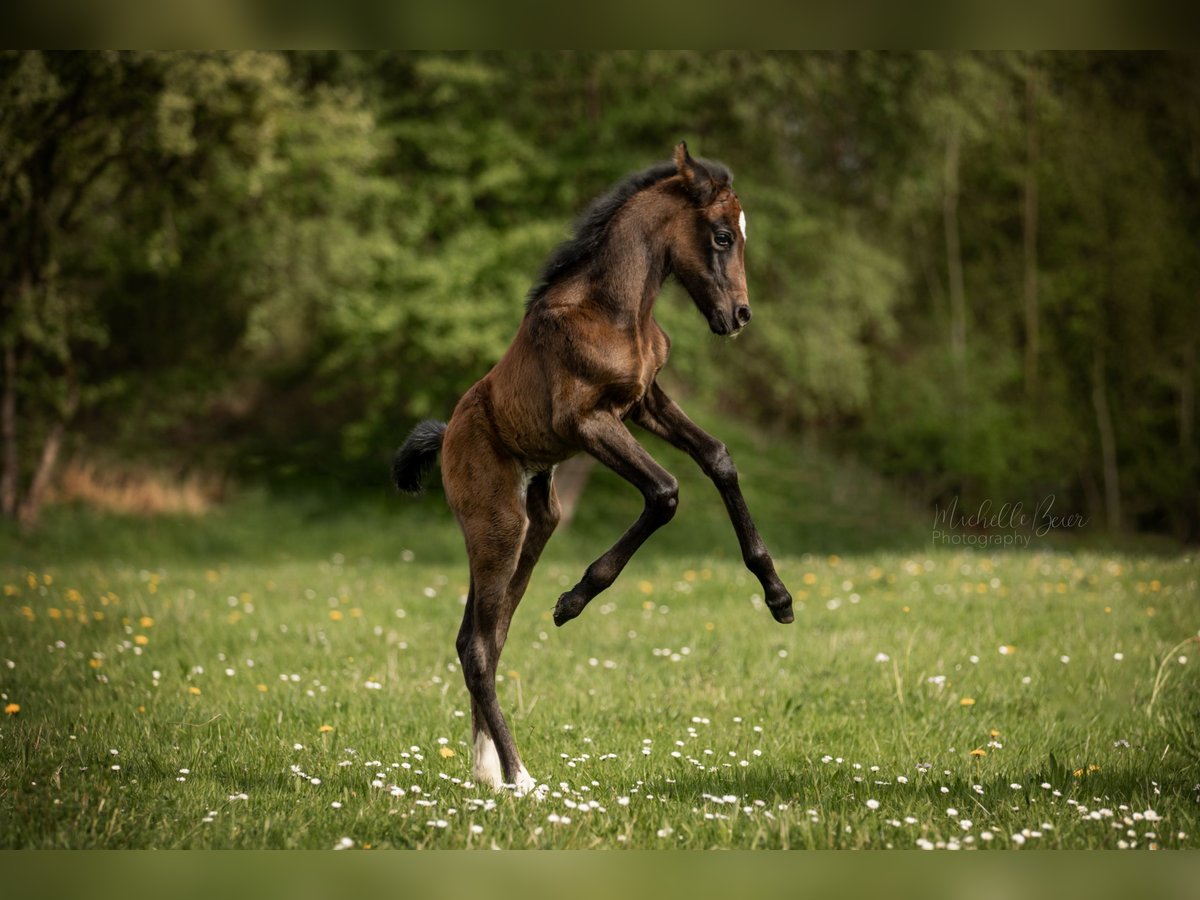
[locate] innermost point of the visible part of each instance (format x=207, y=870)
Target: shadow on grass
x=830, y=790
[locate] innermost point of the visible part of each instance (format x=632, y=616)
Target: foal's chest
x=646, y=356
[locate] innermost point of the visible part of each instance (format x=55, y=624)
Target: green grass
x=673, y=713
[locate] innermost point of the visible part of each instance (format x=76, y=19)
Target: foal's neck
x=634, y=259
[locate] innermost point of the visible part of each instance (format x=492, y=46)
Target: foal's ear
x=696, y=177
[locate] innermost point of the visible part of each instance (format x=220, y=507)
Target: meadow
x=281, y=673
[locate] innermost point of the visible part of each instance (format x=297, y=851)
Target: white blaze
x=742, y=224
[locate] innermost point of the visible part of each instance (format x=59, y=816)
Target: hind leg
x=543, y=513
x=485, y=489
x=494, y=545
x=485, y=763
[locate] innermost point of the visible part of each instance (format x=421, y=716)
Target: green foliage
x=276, y=262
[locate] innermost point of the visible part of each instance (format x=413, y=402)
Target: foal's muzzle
x=720, y=323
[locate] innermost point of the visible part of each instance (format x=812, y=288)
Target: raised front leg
x=660, y=415
x=605, y=437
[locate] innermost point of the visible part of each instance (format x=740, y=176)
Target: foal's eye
x=724, y=239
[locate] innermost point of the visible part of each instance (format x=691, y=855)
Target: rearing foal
x=584, y=360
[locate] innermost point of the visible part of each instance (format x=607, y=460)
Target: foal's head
x=708, y=244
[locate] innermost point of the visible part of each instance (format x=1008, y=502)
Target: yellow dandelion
x=141, y=640
x=513, y=673
x=709, y=626
x=47, y=579
x=193, y=690
x=979, y=751
x=446, y=752
x=1108, y=609
x=994, y=733
x=1093, y=768
x=645, y=587
x=54, y=613
x=141, y=709
x=904, y=609
x=356, y=613
x=95, y=663
x=810, y=578
x=73, y=595
x=647, y=604
x=1155, y=585
x=834, y=559
x=325, y=729
x=146, y=622
x=98, y=615
x=11, y=590
x=27, y=612
x=31, y=580
x=12, y=709
x=152, y=588
x=1078, y=773
x=689, y=575
x=335, y=615
x=262, y=688
x=212, y=575
x=967, y=701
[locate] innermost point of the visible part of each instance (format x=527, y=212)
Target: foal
x=584, y=360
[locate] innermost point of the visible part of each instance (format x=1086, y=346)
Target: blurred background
x=975, y=276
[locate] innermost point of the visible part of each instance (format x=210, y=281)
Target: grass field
x=282, y=673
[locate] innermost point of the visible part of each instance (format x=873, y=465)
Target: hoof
x=782, y=609
x=526, y=786
x=568, y=607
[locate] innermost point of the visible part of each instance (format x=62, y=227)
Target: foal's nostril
x=742, y=313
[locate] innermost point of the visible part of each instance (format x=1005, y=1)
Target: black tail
x=416, y=457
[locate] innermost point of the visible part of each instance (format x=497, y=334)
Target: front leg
x=660, y=415
x=605, y=437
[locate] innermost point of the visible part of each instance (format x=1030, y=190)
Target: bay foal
x=585, y=359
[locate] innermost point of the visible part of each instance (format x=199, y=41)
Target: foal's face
x=709, y=259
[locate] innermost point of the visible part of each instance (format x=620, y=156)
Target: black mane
x=591, y=225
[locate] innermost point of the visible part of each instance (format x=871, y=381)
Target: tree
x=97, y=145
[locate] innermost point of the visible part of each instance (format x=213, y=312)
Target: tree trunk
x=10, y=468
x=31, y=507
x=1108, y=443
x=1187, y=399
x=1187, y=438
x=569, y=480
x=1032, y=153
x=954, y=267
